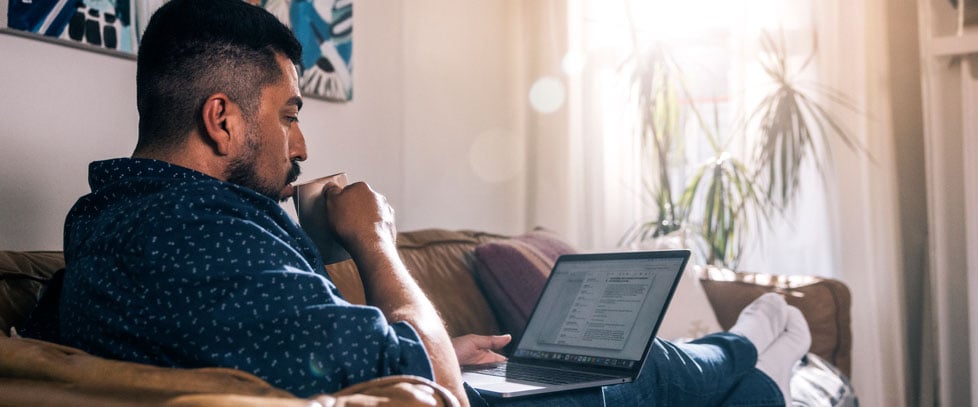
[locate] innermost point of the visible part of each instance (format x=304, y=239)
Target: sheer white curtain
x=586, y=181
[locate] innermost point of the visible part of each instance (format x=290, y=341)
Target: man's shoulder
x=130, y=215
x=153, y=184
x=146, y=200
x=137, y=211
x=193, y=198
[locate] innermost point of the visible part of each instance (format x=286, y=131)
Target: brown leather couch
x=39, y=373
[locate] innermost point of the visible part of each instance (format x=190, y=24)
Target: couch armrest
x=22, y=277
x=825, y=302
x=40, y=373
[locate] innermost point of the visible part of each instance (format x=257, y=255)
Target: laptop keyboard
x=530, y=373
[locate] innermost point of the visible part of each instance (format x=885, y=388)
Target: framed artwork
x=325, y=30
x=323, y=27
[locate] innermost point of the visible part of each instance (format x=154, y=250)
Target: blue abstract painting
x=323, y=27
x=325, y=30
x=107, y=24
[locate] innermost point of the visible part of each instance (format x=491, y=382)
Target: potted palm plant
x=726, y=196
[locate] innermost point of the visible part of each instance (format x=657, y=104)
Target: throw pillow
x=825, y=302
x=690, y=314
x=512, y=273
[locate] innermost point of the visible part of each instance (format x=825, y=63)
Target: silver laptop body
x=593, y=324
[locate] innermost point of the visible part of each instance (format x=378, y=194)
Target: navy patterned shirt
x=171, y=267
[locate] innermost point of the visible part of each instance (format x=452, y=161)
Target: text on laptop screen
x=599, y=312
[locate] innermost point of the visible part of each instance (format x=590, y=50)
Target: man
x=181, y=255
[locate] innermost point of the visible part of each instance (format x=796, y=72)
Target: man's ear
x=222, y=122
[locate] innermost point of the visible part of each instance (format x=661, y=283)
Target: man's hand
x=361, y=217
x=474, y=349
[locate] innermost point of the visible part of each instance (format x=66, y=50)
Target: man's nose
x=298, y=146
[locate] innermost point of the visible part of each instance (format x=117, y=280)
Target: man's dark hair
x=193, y=49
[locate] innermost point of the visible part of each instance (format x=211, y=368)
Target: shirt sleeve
x=231, y=293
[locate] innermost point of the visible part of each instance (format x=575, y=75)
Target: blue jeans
x=715, y=370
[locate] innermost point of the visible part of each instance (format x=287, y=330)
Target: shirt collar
x=101, y=173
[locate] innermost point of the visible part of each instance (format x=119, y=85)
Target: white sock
x=762, y=321
x=779, y=359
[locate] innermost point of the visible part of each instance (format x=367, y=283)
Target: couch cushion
x=513, y=272
x=442, y=261
x=347, y=279
x=825, y=303
x=22, y=277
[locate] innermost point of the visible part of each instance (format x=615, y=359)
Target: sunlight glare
x=670, y=20
x=572, y=63
x=547, y=94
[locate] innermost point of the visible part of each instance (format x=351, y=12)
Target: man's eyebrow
x=296, y=101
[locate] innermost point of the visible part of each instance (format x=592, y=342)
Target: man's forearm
x=389, y=286
x=364, y=222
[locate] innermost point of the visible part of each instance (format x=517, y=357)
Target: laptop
x=593, y=324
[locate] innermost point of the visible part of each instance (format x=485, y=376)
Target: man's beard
x=243, y=171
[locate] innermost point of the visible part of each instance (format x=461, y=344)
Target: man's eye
x=292, y=119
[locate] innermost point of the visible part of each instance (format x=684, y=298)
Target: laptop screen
x=602, y=309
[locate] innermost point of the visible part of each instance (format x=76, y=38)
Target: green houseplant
x=726, y=196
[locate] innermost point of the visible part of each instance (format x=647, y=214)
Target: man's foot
x=779, y=359
x=762, y=321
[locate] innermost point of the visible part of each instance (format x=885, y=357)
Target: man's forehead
x=292, y=79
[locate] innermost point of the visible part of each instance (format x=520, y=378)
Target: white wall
x=435, y=122
x=464, y=140
x=60, y=108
